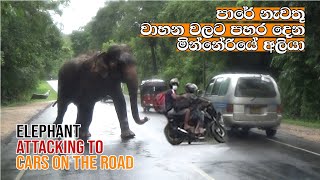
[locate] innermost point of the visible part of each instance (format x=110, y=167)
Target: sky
x=77, y=14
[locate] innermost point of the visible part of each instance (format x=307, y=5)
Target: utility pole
x=204, y=73
x=152, y=44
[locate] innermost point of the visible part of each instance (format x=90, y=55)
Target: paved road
x=252, y=157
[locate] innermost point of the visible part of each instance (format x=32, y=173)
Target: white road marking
x=314, y=153
x=20, y=174
x=201, y=172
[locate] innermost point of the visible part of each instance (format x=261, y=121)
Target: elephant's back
x=68, y=79
x=69, y=71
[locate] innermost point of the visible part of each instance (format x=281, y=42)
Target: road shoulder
x=310, y=134
x=10, y=116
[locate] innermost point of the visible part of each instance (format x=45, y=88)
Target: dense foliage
x=32, y=47
x=298, y=74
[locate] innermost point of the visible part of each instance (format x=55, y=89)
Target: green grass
x=125, y=89
x=303, y=122
x=42, y=88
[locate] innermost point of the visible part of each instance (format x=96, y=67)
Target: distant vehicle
x=107, y=98
x=246, y=101
x=148, y=91
x=40, y=96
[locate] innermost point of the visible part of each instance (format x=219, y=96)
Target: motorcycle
x=175, y=134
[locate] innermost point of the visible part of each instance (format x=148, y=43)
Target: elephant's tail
x=54, y=103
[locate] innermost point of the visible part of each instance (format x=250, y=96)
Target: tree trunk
x=153, y=56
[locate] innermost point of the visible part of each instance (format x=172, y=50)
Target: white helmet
x=174, y=81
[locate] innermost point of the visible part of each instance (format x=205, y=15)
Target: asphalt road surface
x=252, y=157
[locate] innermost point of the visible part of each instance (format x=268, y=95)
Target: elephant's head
x=117, y=62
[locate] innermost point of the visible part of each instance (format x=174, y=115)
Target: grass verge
x=42, y=88
x=303, y=122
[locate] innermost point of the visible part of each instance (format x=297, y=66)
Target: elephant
x=89, y=78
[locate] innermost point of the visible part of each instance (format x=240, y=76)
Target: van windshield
x=255, y=87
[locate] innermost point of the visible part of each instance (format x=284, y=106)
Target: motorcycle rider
x=195, y=113
x=170, y=102
x=191, y=101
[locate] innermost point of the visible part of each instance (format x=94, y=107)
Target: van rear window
x=255, y=87
x=152, y=89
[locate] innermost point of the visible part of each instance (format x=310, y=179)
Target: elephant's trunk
x=132, y=83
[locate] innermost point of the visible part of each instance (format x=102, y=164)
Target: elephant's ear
x=99, y=65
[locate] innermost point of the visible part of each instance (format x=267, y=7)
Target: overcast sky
x=77, y=14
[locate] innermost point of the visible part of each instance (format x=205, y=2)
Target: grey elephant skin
x=88, y=78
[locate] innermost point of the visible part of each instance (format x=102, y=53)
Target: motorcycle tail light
x=279, y=109
x=229, y=108
x=147, y=97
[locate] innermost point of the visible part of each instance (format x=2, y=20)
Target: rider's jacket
x=169, y=101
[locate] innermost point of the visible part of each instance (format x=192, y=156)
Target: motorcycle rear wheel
x=172, y=137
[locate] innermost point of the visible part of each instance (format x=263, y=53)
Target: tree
x=30, y=46
x=80, y=41
x=299, y=73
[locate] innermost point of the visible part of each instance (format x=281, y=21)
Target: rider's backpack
x=159, y=102
x=184, y=102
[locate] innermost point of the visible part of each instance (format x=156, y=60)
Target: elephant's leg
x=121, y=109
x=84, y=118
x=62, y=108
